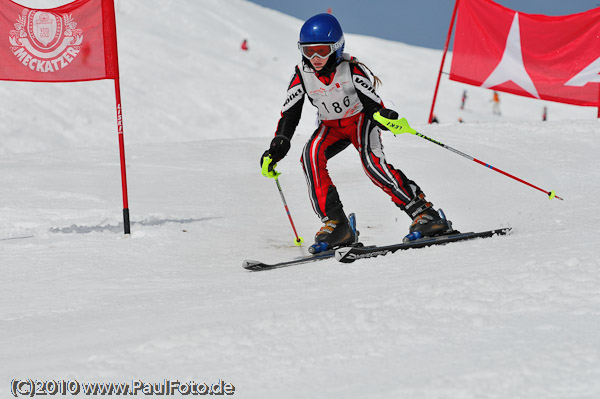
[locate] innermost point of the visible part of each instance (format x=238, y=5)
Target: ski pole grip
x=396, y=126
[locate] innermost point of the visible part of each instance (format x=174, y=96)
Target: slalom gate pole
x=437, y=84
x=598, y=101
x=551, y=194
x=299, y=240
x=110, y=28
x=126, y=222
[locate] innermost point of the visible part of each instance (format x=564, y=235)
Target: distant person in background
x=245, y=45
x=339, y=86
x=545, y=114
x=435, y=119
x=464, y=99
x=496, y=103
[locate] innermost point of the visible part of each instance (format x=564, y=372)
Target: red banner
x=551, y=58
x=74, y=42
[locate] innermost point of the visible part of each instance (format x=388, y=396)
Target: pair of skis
x=357, y=251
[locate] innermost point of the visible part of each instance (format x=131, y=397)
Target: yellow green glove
x=396, y=126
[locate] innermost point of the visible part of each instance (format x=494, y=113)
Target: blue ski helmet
x=323, y=28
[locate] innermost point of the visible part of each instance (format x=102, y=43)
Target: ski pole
x=299, y=240
x=401, y=126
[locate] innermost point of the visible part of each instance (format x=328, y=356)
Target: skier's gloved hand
x=280, y=145
x=268, y=166
x=388, y=119
x=388, y=113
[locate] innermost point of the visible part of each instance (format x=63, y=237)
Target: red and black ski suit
x=346, y=101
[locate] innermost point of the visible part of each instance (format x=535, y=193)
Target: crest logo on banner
x=45, y=41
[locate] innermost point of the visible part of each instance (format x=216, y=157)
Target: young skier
x=338, y=86
x=496, y=103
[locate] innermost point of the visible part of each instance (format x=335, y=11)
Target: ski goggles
x=323, y=50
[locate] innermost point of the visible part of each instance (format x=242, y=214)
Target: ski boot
x=336, y=232
x=427, y=222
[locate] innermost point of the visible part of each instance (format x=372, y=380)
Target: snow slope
x=508, y=317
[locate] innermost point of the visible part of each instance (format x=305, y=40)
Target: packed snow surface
x=506, y=317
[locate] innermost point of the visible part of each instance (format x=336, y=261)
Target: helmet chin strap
x=327, y=68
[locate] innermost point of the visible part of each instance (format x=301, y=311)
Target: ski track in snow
x=505, y=317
